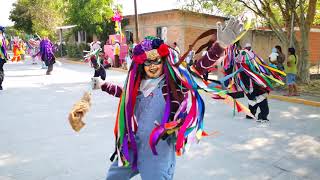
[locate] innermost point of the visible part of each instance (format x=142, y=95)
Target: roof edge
x=179, y=10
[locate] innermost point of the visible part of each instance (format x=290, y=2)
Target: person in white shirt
x=273, y=56
x=175, y=46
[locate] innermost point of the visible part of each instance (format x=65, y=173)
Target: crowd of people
x=37, y=48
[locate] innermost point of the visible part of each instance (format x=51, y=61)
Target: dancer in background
x=33, y=48
x=3, y=54
x=47, y=54
x=16, y=51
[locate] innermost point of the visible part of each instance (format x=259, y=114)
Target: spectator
x=175, y=46
x=274, y=56
x=280, y=59
x=116, y=53
x=291, y=70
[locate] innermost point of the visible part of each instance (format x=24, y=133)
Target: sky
x=143, y=6
x=5, y=8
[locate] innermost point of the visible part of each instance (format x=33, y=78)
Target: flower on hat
x=163, y=50
x=149, y=48
x=146, y=44
x=139, y=59
x=156, y=43
x=137, y=50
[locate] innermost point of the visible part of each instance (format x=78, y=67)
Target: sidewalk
x=277, y=94
x=302, y=99
x=77, y=61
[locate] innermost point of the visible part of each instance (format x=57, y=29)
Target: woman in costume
x=160, y=107
x=22, y=49
x=33, y=48
x=16, y=51
x=47, y=54
x=3, y=54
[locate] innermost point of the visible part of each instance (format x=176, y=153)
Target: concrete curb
x=295, y=100
x=81, y=62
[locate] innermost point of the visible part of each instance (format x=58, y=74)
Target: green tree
x=21, y=16
x=278, y=14
x=92, y=16
x=317, y=17
x=38, y=16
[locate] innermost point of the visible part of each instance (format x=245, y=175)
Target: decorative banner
x=117, y=18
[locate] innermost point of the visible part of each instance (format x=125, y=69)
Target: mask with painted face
x=153, y=68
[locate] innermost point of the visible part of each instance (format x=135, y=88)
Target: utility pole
x=136, y=21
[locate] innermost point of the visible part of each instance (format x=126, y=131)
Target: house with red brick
x=184, y=27
x=173, y=25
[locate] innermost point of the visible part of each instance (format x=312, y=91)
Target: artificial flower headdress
x=150, y=48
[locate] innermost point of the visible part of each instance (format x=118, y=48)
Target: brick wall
x=263, y=41
x=183, y=27
x=314, y=46
x=150, y=21
x=194, y=25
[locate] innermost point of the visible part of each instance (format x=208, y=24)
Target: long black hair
x=279, y=48
x=292, y=51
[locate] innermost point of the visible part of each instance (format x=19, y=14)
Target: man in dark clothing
x=3, y=54
x=257, y=98
x=99, y=70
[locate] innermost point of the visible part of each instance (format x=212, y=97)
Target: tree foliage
x=277, y=14
x=21, y=16
x=225, y=8
x=317, y=17
x=92, y=16
x=37, y=16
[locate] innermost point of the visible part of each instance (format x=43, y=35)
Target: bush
x=76, y=51
x=58, y=50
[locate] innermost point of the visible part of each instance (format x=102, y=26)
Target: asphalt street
x=37, y=142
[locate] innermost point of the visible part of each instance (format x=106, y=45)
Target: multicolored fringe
x=248, y=62
x=187, y=124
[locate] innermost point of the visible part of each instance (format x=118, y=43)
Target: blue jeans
x=291, y=79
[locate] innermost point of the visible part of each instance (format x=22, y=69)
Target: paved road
x=37, y=143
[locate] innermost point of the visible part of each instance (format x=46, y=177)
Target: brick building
x=173, y=26
x=184, y=26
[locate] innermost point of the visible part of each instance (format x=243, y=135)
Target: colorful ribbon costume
x=185, y=108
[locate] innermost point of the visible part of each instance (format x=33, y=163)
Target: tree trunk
x=304, y=63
